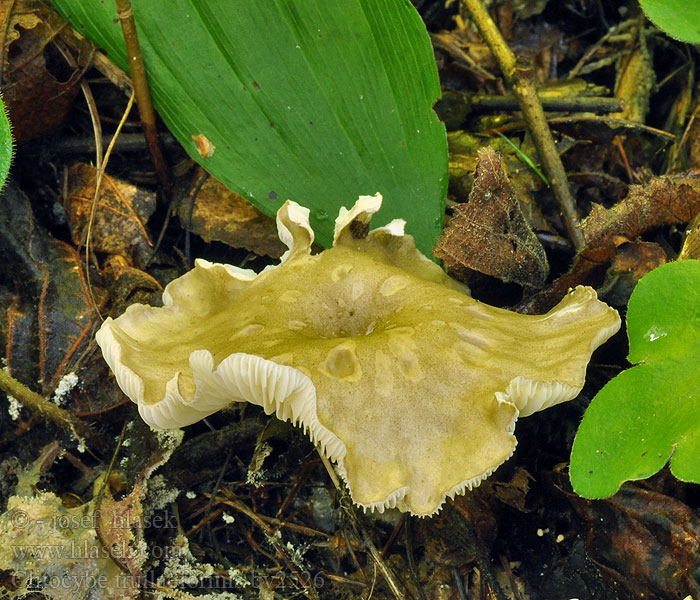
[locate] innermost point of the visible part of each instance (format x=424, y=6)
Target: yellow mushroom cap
x=408, y=383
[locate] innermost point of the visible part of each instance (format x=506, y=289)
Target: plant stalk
x=143, y=95
x=521, y=78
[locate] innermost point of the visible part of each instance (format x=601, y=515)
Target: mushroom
x=410, y=385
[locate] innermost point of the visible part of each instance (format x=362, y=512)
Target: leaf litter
x=292, y=514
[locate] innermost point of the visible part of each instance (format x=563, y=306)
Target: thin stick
x=411, y=559
x=38, y=403
x=89, y=100
x=233, y=501
x=594, y=104
x=522, y=80
x=95, y=199
x=359, y=531
x=684, y=138
x=143, y=95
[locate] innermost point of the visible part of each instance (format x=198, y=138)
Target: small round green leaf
x=662, y=310
x=678, y=18
x=651, y=412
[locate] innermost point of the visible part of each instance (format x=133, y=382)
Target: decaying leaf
x=636, y=80
x=489, y=234
x=127, y=284
x=663, y=201
x=38, y=97
x=36, y=526
x=513, y=492
x=91, y=550
x=645, y=543
x=632, y=262
x=50, y=319
x=691, y=244
x=219, y=214
x=120, y=217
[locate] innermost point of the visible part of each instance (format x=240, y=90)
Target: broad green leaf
x=5, y=145
x=651, y=412
x=318, y=101
x=679, y=18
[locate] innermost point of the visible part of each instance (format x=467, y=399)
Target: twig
x=594, y=104
x=38, y=403
x=95, y=199
x=411, y=559
x=116, y=76
x=522, y=81
x=614, y=31
x=127, y=142
x=275, y=542
x=143, y=96
x=360, y=532
x=609, y=121
x=89, y=100
x=460, y=584
x=684, y=138
x=190, y=211
x=472, y=542
x=511, y=578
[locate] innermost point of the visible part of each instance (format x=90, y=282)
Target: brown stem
x=142, y=93
x=522, y=81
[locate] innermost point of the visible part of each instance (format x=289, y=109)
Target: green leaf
x=5, y=145
x=318, y=101
x=651, y=412
x=678, y=18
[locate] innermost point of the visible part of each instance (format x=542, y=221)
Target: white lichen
x=296, y=555
x=160, y=495
x=182, y=568
x=169, y=438
x=238, y=578
x=13, y=408
x=64, y=387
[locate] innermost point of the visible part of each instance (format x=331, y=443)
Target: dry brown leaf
x=120, y=217
x=513, y=492
x=645, y=544
x=37, y=97
x=47, y=317
x=663, y=201
x=489, y=233
x=219, y=214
